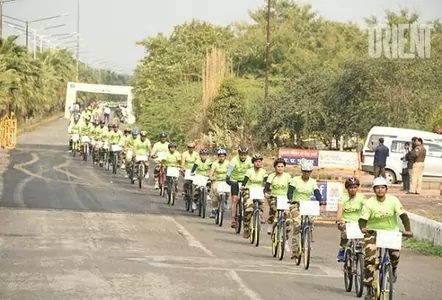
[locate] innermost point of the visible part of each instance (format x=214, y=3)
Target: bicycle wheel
x=140, y=175
x=220, y=214
x=282, y=239
x=115, y=163
x=204, y=203
x=252, y=229
x=257, y=226
x=359, y=274
x=275, y=240
x=239, y=214
x=172, y=188
x=169, y=190
x=85, y=151
x=306, y=247
x=348, y=270
x=387, y=288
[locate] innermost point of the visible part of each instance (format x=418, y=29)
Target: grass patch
x=422, y=247
x=35, y=123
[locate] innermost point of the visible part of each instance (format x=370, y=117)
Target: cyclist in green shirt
x=188, y=158
x=277, y=184
x=74, y=129
x=218, y=172
x=349, y=210
x=201, y=167
x=142, y=147
x=128, y=148
x=255, y=177
x=115, y=138
x=159, y=147
x=301, y=189
x=380, y=212
x=235, y=175
x=173, y=159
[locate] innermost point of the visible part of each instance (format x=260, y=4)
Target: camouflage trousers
x=292, y=220
x=343, y=241
x=371, y=256
x=248, y=208
x=197, y=193
x=215, y=196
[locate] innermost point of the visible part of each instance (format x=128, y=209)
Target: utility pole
x=78, y=39
x=266, y=93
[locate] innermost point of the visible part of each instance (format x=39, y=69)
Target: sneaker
x=270, y=229
x=369, y=295
x=194, y=207
x=341, y=255
x=157, y=186
x=213, y=214
x=208, y=198
x=146, y=176
x=123, y=167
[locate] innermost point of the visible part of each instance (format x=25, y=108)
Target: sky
x=110, y=28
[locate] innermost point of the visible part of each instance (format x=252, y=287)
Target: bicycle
x=162, y=174
x=75, y=143
x=306, y=209
x=383, y=283
x=279, y=232
x=239, y=210
x=85, y=140
x=188, y=195
x=223, y=190
x=353, y=259
x=140, y=162
x=172, y=174
x=256, y=194
x=201, y=182
x=115, y=152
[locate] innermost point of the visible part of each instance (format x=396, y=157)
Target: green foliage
x=323, y=85
x=33, y=89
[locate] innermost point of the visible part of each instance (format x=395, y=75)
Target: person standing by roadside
x=417, y=155
x=405, y=172
x=380, y=159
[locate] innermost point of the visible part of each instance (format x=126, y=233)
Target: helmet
x=257, y=157
x=76, y=116
x=127, y=130
x=110, y=126
x=172, y=145
x=378, y=181
x=191, y=144
x=204, y=151
x=163, y=134
x=102, y=122
x=279, y=161
x=135, y=131
x=243, y=150
x=87, y=118
x=306, y=165
x=352, y=181
x=222, y=151
x=143, y=133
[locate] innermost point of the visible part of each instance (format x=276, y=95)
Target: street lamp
x=27, y=22
x=1, y=14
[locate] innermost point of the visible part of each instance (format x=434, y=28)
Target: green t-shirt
x=240, y=168
x=131, y=141
x=382, y=215
x=86, y=129
x=75, y=128
x=172, y=159
x=115, y=137
x=279, y=185
x=103, y=133
x=220, y=170
x=256, y=179
x=203, y=168
x=142, y=148
x=190, y=159
x=351, y=208
x=303, y=189
x=159, y=147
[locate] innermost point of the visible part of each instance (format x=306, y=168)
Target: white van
x=395, y=139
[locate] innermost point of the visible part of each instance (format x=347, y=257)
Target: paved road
x=69, y=230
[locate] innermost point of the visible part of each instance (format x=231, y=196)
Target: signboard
x=293, y=157
x=321, y=158
x=331, y=192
